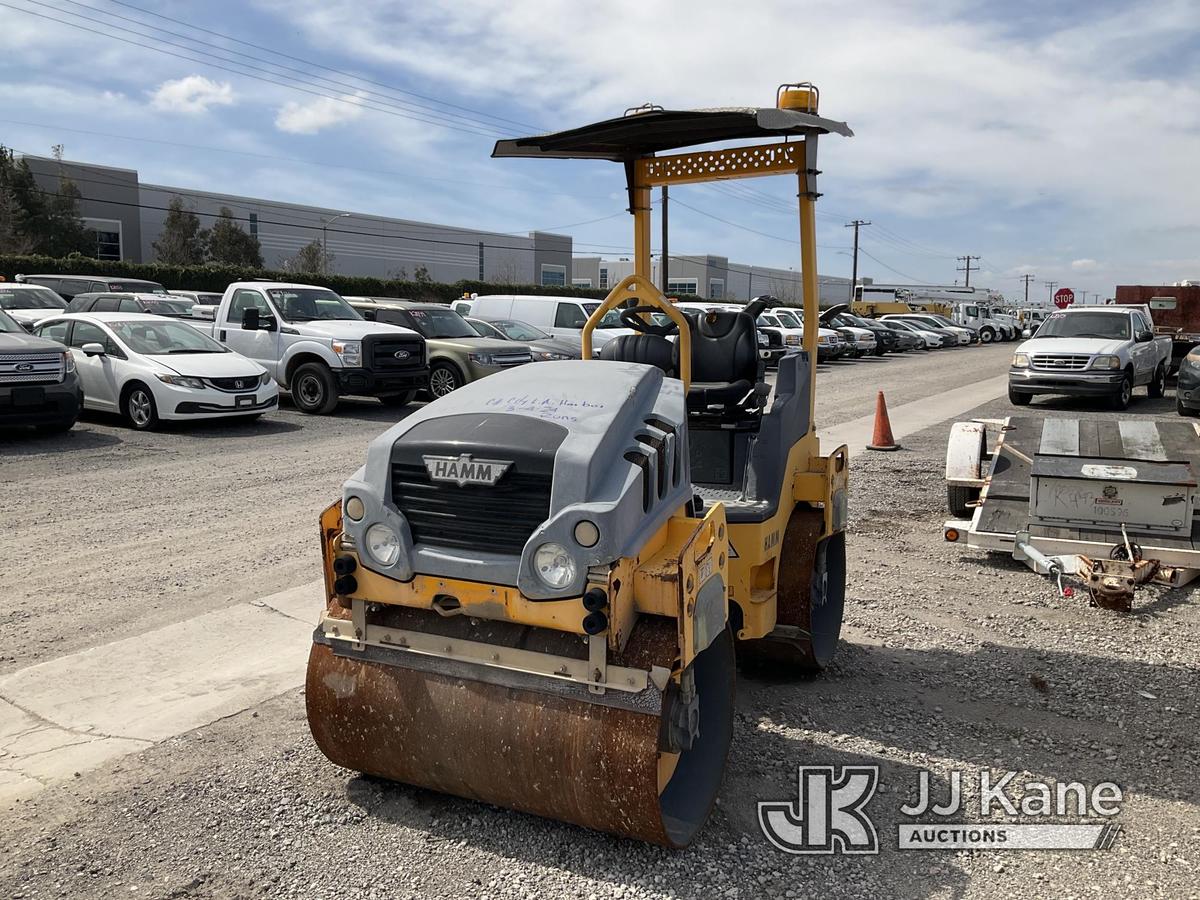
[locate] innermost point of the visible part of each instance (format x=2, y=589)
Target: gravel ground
x=950, y=660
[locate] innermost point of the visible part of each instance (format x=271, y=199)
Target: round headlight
x=586, y=533
x=554, y=565
x=383, y=544
x=355, y=509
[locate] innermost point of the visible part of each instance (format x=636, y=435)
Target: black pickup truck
x=38, y=382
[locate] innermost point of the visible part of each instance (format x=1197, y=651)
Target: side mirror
x=1145, y=336
x=250, y=319
x=94, y=349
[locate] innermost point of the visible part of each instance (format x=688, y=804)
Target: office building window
x=554, y=275
x=108, y=237
x=581, y=282
x=716, y=289
x=682, y=286
x=254, y=223
x=603, y=277
x=481, y=278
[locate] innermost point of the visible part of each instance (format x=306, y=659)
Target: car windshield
x=487, y=329
x=769, y=321
x=521, y=331
x=166, y=307
x=310, y=304
x=1113, y=326
x=612, y=318
x=787, y=319
x=163, y=338
x=441, y=323
x=862, y=323
x=30, y=298
x=7, y=323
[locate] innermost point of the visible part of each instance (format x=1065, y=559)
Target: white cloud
x=1084, y=265
x=323, y=112
x=191, y=95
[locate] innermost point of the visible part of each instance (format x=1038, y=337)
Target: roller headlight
x=383, y=544
x=1020, y=361
x=182, y=381
x=554, y=565
x=1106, y=362
x=355, y=508
x=350, y=353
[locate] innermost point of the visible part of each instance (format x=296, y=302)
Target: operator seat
x=648, y=349
x=725, y=362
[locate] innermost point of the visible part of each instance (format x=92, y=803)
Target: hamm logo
x=463, y=470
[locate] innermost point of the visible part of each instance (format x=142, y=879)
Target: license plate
x=28, y=396
x=245, y=400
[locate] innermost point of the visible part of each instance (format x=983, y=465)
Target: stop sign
x=1064, y=297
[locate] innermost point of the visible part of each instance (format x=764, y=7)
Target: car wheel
x=879, y=351
x=401, y=399
x=1124, y=394
x=139, y=407
x=444, y=378
x=1183, y=410
x=1158, y=384
x=1018, y=399
x=313, y=389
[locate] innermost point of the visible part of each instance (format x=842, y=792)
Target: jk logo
x=828, y=817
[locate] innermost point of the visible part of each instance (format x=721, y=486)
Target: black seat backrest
x=648, y=349
x=724, y=347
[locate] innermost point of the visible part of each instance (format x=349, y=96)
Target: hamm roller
x=539, y=585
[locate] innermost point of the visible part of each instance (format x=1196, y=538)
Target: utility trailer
x=1110, y=501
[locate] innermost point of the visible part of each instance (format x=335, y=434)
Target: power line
x=359, y=103
x=890, y=269
x=774, y=237
x=324, y=67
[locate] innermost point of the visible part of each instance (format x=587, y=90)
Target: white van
x=561, y=316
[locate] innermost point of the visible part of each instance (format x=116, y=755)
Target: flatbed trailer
x=1113, y=501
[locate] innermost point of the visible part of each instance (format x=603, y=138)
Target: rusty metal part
x=564, y=757
x=1113, y=582
x=809, y=616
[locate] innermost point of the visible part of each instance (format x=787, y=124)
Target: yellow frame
x=640, y=287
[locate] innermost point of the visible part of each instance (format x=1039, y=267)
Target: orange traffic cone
x=883, y=439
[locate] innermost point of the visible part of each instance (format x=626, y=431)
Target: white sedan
x=28, y=304
x=149, y=368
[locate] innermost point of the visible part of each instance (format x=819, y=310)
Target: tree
x=63, y=230
x=310, y=259
x=228, y=243
x=181, y=242
x=20, y=206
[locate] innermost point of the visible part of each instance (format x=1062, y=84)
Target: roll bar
x=642, y=290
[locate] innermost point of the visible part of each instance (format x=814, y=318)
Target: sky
x=1055, y=139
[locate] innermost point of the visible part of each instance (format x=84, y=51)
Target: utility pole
x=325, y=241
x=1027, y=278
x=1050, y=286
x=665, y=253
x=856, y=224
x=966, y=260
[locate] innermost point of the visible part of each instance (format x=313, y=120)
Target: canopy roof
x=639, y=134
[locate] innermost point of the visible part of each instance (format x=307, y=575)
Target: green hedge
x=217, y=277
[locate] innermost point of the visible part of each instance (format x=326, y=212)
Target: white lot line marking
x=74, y=713
x=909, y=418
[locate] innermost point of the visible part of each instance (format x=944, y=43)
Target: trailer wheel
x=957, y=498
x=1158, y=384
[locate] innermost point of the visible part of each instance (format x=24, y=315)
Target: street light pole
x=325, y=240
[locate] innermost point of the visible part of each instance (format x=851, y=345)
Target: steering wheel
x=629, y=318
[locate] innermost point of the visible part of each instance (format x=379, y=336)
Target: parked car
x=544, y=347
x=1187, y=388
x=199, y=298
x=67, y=286
x=885, y=338
x=317, y=346
x=155, y=304
x=929, y=340
x=1095, y=351
x=560, y=316
x=953, y=335
x=148, y=369
x=28, y=304
x=39, y=385
x=457, y=354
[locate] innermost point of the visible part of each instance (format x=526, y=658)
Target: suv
x=155, y=304
x=68, y=286
x=38, y=382
x=457, y=354
x=28, y=304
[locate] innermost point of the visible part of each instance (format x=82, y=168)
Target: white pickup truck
x=1091, y=351
x=317, y=346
